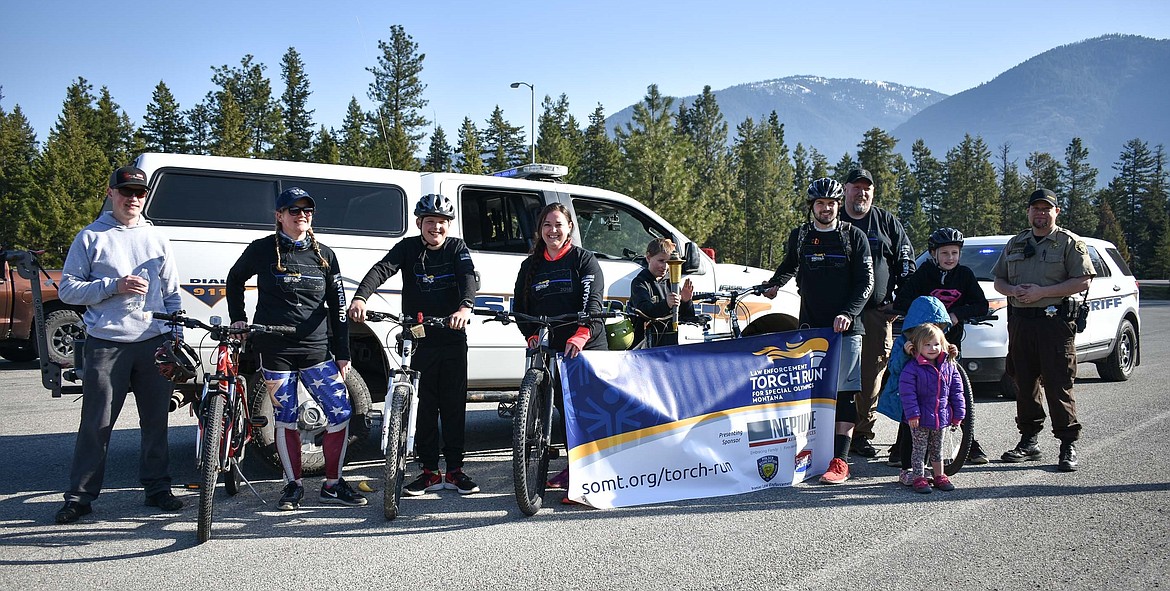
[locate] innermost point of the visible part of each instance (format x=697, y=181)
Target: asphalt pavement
x=1007, y=526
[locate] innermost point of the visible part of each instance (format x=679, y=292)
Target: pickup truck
x=62, y=323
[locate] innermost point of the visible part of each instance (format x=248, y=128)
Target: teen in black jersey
x=834, y=274
x=559, y=278
x=299, y=284
x=650, y=295
x=438, y=279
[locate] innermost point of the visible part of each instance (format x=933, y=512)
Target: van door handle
x=1116, y=288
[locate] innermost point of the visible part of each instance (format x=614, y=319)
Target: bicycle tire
x=209, y=462
x=234, y=439
x=955, y=453
x=394, y=472
x=529, y=453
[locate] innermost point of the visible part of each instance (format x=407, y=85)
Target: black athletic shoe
x=72, y=511
x=1068, y=457
x=864, y=448
x=164, y=500
x=457, y=480
x=341, y=494
x=976, y=455
x=291, y=496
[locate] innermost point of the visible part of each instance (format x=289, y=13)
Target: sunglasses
x=294, y=210
x=128, y=193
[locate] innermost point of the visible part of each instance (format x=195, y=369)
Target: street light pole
x=532, y=116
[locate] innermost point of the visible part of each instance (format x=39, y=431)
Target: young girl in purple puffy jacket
x=932, y=398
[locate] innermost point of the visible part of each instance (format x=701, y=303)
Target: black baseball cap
x=1042, y=195
x=857, y=174
x=126, y=176
x=290, y=196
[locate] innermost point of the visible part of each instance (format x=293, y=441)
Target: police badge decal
x=767, y=466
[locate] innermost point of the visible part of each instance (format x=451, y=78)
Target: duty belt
x=1049, y=312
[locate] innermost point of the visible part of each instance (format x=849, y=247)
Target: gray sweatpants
x=110, y=370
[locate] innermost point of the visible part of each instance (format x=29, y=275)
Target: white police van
x=211, y=208
x=1111, y=336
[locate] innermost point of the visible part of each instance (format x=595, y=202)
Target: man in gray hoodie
x=120, y=267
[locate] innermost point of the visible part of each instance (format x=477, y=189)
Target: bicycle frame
x=404, y=376
x=226, y=383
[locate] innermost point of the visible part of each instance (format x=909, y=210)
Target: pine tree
x=654, y=164
x=600, y=158
x=763, y=179
x=801, y=171
x=1129, y=193
x=503, y=143
x=470, y=160
x=397, y=92
x=297, y=140
x=70, y=177
x=439, y=156
x=820, y=166
x=353, y=146
x=971, y=188
x=559, y=140
x=875, y=153
x=1044, y=172
x=18, y=152
x=841, y=170
x=113, y=131
x=1108, y=228
x=704, y=126
x=910, y=211
x=164, y=128
x=231, y=136
x=1078, y=182
x=325, y=149
x=252, y=93
x=1012, y=191
x=929, y=181
x=201, y=123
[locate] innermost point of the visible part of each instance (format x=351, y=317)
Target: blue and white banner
x=700, y=420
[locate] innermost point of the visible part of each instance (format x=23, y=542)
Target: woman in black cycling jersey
x=559, y=278
x=299, y=285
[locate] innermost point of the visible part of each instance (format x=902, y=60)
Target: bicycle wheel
x=394, y=472
x=234, y=438
x=209, y=461
x=529, y=453
x=956, y=443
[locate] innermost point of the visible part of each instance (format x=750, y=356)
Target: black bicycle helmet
x=176, y=361
x=434, y=204
x=825, y=188
x=943, y=237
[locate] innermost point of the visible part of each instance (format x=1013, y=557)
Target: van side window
x=499, y=221
x=191, y=198
x=611, y=231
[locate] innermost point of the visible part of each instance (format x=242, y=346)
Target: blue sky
x=600, y=51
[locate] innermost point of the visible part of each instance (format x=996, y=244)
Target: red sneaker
x=943, y=483
x=837, y=473
x=560, y=481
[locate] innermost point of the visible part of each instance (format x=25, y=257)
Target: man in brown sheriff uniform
x=1037, y=270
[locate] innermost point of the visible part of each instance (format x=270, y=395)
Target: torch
x=675, y=263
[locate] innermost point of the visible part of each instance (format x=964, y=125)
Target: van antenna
x=378, y=108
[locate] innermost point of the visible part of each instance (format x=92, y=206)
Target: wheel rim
x=1125, y=351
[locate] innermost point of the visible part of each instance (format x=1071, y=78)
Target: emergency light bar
x=535, y=172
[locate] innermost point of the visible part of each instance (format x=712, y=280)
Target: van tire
x=1118, y=366
x=312, y=462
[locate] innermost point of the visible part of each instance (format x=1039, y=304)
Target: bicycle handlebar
x=221, y=331
x=375, y=316
x=711, y=297
x=505, y=317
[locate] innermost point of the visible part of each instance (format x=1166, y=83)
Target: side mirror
x=692, y=262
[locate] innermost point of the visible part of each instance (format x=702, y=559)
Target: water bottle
x=136, y=303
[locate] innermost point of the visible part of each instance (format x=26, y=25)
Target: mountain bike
x=400, y=410
x=532, y=420
x=733, y=297
x=225, y=425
